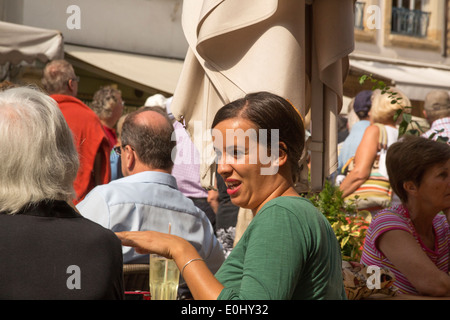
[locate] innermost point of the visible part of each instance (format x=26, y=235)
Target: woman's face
x=239, y=163
x=434, y=189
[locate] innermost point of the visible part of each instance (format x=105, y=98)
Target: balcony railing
x=410, y=22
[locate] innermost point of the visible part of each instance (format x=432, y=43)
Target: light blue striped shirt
x=150, y=201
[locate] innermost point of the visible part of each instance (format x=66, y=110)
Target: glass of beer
x=164, y=278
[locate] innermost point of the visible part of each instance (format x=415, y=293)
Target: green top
x=289, y=251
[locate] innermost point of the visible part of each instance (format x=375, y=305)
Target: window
x=409, y=19
x=359, y=15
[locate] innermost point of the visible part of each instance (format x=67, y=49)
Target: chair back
x=136, y=277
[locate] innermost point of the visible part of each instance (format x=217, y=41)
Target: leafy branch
x=439, y=138
x=406, y=116
x=404, y=111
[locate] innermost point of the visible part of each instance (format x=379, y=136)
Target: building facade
x=404, y=43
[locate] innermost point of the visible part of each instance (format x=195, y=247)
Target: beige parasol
x=24, y=43
x=294, y=48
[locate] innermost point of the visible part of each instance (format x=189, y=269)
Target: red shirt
x=111, y=135
x=90, y=138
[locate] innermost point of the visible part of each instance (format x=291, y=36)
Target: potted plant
x=348, y=223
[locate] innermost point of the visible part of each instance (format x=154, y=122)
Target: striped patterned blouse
x=397, y=218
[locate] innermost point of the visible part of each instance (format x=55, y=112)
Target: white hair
x=38, y=157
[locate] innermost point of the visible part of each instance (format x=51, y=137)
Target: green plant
x=439, y=138
x=348, y=223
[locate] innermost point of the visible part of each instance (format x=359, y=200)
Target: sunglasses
x=118, y=149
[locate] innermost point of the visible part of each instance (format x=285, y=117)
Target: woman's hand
x=145, y=242
x=200, y=280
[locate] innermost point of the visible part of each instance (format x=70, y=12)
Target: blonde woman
x=382, y=112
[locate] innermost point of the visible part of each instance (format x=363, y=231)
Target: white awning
x=139, y=71
x=414, y=81
x=24, y=43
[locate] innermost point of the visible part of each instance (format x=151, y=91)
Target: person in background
x=7, y=85
x=342, y=128
x=361, y=106
x=412, y=239
x=114, y=158
x=49, y=251
x=226, y=217
x=108, y=105
x=289, y=250
x=186, y=168
x=437, y=112
x=147, y=197
x=60, y=81
x=382, y=112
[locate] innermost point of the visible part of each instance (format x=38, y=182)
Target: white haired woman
x=49, y=250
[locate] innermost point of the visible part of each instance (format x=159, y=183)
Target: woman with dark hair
x=289, y=250
x=413, y=239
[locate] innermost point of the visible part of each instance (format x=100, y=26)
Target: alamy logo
x=257, y=145
x=373, y=20
x=242, y=147
x=74, y=20
x=74, y=280
x=373, y=281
